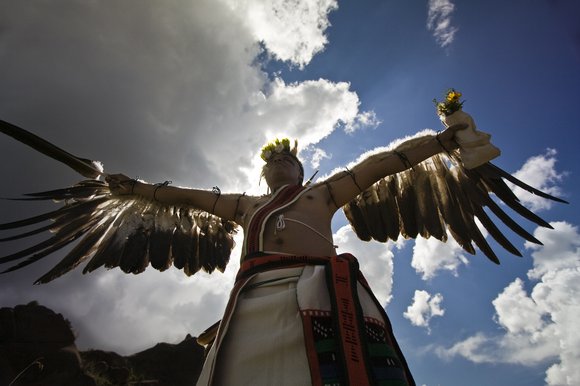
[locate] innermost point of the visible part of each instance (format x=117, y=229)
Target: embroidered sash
x=343, y=347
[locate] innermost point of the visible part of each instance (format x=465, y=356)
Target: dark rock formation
x=161, y=365
x=170, y=364
x=37, y=348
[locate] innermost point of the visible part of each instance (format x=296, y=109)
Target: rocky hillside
x=37, y=348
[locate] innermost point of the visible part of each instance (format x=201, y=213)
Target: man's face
x=282, y=166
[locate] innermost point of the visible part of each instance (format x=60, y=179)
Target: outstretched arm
x=226, y=206
x=346, y=185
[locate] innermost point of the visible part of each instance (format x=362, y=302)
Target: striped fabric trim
x=280, y=199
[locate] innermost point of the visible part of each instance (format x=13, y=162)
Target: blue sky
x=190, y=91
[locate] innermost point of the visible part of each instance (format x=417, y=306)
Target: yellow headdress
x=278, y=146
x=281, y=146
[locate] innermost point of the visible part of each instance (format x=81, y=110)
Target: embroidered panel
x=386, y=367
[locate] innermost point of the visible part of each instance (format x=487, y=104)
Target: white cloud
x=290, y=30
x=562, y=241
x=425, y=306
x=308, y=111
x=375, y=259
x=431, y=256
x=318, y=155
x=439, y=21
x=540, y=327
x=170, y=90
x=471, y=348
x=540, y=172
x=362, y=120
x=528, y=317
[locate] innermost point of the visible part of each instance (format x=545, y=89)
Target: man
x=299, y=314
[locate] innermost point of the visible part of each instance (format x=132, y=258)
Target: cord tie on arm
x=441, y=143
x=133, y=182
x=404, y=159
x=351, y=174
x=215, y=190
x=158, y=186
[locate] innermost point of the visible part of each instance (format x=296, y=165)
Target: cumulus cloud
x=308, y=111
x=431, y=256
x=424, y=307
x=540, y=172
x=318, y=155
x=168, y=90
x=292, y=31
x=363, y=120
x=295, y=109
x=561, y=241
x=539, y=327
x=439, y=21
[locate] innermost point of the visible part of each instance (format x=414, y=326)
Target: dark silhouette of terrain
x=37, y=348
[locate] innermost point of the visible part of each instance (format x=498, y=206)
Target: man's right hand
x=120, y=184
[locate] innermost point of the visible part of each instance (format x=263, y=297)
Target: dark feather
x=193, y=261
x=205, y=254
x=83, y=166
x=354, y=215
x=119, y=231
x=433, y=198
x=160, y=241
x=479, y=200
x=64, y=236
x=407, y=203
x=27, y=234
x=56, y=243
x=372, y=215
x=489, y=169
x=465, y=201
x=77, y=207
x=391, y=209
x=64, y=194
x=499, y=189
x=455, y=214
x=428, y=219
x=77, y=255
x=181, y=245
x=108, y=253
x=507, y=220
x=134, y=257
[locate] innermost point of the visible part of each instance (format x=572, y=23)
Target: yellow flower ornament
x=278, y=146
x=451, y=104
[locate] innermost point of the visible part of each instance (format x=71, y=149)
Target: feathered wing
x=440, y=196
x=129, y=232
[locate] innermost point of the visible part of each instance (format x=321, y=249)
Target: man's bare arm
x=226, y=206
x=345, y=186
